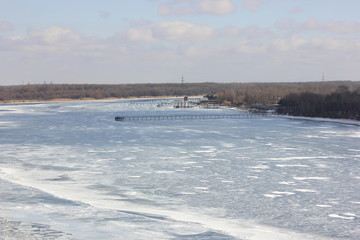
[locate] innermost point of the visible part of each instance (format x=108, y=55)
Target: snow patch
x=305, y=190
x=312, y=178
x=341, y=216
x=259, y=167
x=283, y=193
x=287, y=183
x=292, y=165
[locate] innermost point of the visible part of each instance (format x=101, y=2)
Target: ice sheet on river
x=69, y=171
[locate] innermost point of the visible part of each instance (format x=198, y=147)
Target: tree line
x=341, y=104
x=237, y=93
x=260, y=94
x=323, y=99
x=102, y=91
x=331, y=99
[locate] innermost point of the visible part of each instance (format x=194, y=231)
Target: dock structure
x=165, y=101
x=191, y=116
x=176, y=102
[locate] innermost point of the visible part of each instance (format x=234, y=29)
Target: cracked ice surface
x=69, y=171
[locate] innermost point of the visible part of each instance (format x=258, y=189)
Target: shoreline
x=335, y=120
x=52, y=100
x=17, y=101
x=319, y=119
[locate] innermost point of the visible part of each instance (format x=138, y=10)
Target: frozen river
x=69, y=171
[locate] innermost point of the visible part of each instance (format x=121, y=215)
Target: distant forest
x=236, y=93
x=338, y=99
x=341, y=104
x=100, y=91
x=256, y=94
x=312, y=99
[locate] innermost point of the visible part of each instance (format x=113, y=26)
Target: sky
x=159, y=41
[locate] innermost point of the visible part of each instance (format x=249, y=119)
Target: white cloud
x=53, y=40
x=170, y=9
x=196, y=39
x=165, y=10
x=216, y=7
x=320, y=26
x=56, y=35
x=140, y=35
x=177, y=30
x=248, y=32
x=250, y=48
x=315, y=45
x=198, y=51
x=150, y=46
x=252, y=4
x=286, y=45
x=332, y=26
x=6, y=26
x=339, y=45
x=169, y=30
x=191, y=7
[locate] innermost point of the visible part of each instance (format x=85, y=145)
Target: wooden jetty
x=191, y=116
x=166, y=102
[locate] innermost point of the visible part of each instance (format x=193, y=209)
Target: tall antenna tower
x=182, y=80
x=323, y=76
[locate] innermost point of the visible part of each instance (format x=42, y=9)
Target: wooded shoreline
x=250, y=93
x=334, y=99
x=102, y=91
x=83, y=99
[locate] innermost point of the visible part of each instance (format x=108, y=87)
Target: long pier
x=191, y=116
x=176, y=103
x=165, y=102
